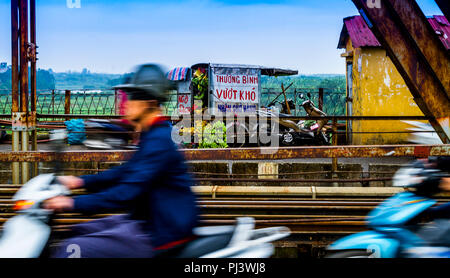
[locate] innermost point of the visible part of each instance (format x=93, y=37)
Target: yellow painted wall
x=379, y=90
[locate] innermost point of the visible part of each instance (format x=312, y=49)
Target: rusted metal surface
x=15, y=83
x=334, y=180
x=71, y=156
x=67, y=103
x=249, y=174
x=425, y=37
x=33, y=58
x=19, y=121
x=24, y=82
x=360, y=34
x=14, y=56
x=23, y=18
x=280, y=174
x=25, y=164
x=282, y=153
x=317, y=152
x=320, y=105
x=394, y=27
x=334, y=162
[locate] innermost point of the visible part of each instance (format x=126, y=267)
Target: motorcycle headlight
x=23, y=204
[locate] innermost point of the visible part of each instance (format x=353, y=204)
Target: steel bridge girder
x=401, y=28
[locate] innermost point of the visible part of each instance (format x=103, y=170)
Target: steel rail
x=291, y=180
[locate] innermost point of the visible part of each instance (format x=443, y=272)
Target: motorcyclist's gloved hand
x=71, y=182
x=445, y=184
x=59, y=204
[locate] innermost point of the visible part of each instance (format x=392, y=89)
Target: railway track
x=314, y=223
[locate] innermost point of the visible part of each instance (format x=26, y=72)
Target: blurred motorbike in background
x=423, y=133
x=108, y=134
x=405, y=225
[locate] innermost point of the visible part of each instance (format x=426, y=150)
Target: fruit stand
x=220, y=89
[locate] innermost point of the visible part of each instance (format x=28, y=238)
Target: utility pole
x=23, y=52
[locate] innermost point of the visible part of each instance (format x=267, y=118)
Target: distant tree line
x=44, y=80
x=334, y=91
x=335, y=83
x=119, y=80
x=84, y=80
x=49, y=80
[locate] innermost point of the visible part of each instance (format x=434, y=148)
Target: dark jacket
x=154, y=185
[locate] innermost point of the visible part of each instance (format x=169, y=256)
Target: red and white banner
x=184, y=103
x=237, y=85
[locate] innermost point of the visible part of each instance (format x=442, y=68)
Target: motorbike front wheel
x=237, y=135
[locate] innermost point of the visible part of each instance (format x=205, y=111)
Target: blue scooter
x=394, y=228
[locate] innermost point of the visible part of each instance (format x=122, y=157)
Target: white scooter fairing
x=25, y=235
x=246, y=242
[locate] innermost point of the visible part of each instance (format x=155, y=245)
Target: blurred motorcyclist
x=442, y=163
x=436, y=231
x=153, y=186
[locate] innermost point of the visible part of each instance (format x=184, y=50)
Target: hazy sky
x=112, y=36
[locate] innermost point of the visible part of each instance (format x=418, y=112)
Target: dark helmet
x=423, y=178
x=149, y=82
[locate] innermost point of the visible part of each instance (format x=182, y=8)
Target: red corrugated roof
x=359, y=33
x=356, y=28
x=441, y=26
